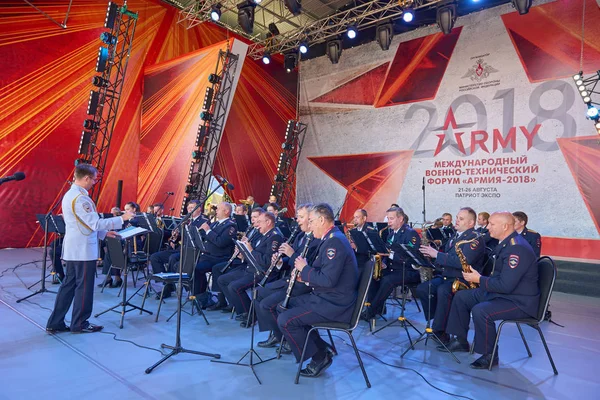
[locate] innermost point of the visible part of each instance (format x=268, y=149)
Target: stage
x=34, y=363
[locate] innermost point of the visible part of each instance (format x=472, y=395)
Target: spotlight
x=102, y=59
x=266, y=58
x=84, y=143
x=246, y=16
x=290, y=61
x=581, y=88
x=111, y=15
x=584, y=93
x=108, y=38
x=99, y=81
x=445, y=17
x=197, y=155
x=592, y=112
x=205, y=116
x=294, y=6
x=214, y=78
x=384, y=35
x=280, y=178
x=579, y=82
x=208, y=98
x=578, y=76
x=273, y=30
x=334, y=50
x=91, y=124
x=287, y=146
x=303, y=47
x=215, y=12
x=257, y=1
x=587, y=99
x=351, y=31
x=408, y=15
x=598, y=125
x=522, y=6
x=93, y=102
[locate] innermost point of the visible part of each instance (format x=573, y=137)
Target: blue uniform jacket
x=534, y=239
x=220, y=240
x=474, y=253
x=264, y=248
x=405, y=235
x=515, y=275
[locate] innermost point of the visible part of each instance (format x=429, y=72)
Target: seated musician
x=219, y=239
x=473, y=248
x=510, y=292
x=172, y=255
x=279, y=223
x=396, y=272
x=482, y=223
x=333, y=280
x=235, y=283
x=273, y=293
x=360, y=223
x=272, y=200
x=253, y=235
x=533, y=238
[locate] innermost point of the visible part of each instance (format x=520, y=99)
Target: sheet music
x=131, y=231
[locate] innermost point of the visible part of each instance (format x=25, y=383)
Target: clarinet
x=236, y=252
x=294, y=274
x=274, y=264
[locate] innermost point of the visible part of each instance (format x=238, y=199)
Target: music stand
x=241, y=246
x=374, y=240
x=416, y=258
x=194, y=239
x=119, y=260
x=434, y=234
x=241, y=221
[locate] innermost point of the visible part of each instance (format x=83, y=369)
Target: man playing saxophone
x=472, y=247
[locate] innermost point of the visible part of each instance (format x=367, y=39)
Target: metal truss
x=95, y=143
x=590, y=94
x=61, y=24
x=362, y=16
x=210, y=130
x=285, y=180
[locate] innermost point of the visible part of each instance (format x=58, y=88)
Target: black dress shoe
x=217, y=307
x=330, y=351
x=241, y=317
x=441, y=338
x=314, y=369
x=285, y=349
x=167, y=294
x=107, y=283
x=246, y=324
x=116, y=283
x=483, y=362
x=227, y=310
x=455, y=346
x=90, y=328
x=272, y=341
x=63, y=328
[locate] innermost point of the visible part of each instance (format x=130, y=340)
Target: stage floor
x=94, y=366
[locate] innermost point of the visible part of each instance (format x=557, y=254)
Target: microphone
x=224, y=182
x=18, y=176
x=170, y=193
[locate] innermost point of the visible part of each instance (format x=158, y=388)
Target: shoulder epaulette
x=531, y=230
x=513, y=241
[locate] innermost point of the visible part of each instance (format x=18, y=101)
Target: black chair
x=547, y=277
x=363, y=288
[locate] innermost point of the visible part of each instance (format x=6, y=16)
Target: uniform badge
x=274, y=246
x=331, y=253
x=232, y=231
x=513, y=261
x=87, y=206
x=413, y=240
x=474, y=244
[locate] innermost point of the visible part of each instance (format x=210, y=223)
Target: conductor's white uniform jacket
x=84, y=227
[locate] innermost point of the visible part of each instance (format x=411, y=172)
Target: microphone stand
x=344, y=203
x=45, y=259
x=178, y=348
x=423, y=189
x=167, y=198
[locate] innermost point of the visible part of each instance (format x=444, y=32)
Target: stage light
x=99, y=81
x=214, y=78
x=208, y=98
x=280, y=178
x=273, y=30
x=445, y=17
x=215, y=12
x=266, y=58
x=111, y=15
x=334, y=50
x=408, y=15
x=581, y=88
x=384, y=35
x=290, y=61
x=522, y=6
x=84, y=143
x=577, y=77
x=197, y=155
x=303, y=47
x=351, y=31
x=287, y=146
x=102, y=59
x=592, y=112
x=189, y=189
x=579, y=82
x=584, y=93
x=246, y=16
x=294, y=6
x=93, y=102
x=257, y=1
x=598, y=125
x=90, y=124
x=205, y=116
x=587, y=99
x=108, y=38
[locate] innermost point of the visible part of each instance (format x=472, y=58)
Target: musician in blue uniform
x=269, y=296
x=396, y=271
x=219, y=241
x=235, y=262
x=510, y=292
x=333, y=279
x=171, y=256
x=360, y=224
x=532, y=237
x=235, y=283
x=473, y=248
x=84, y=228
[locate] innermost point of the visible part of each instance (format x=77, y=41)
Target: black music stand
x=253, y=263
x=417, y=258
x=241, y=221
x=434, y=234
x=119, y=260
x=360, y=240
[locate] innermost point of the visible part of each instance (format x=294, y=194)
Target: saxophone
x=425, y=274
x=378, y=268
x=458, y=284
